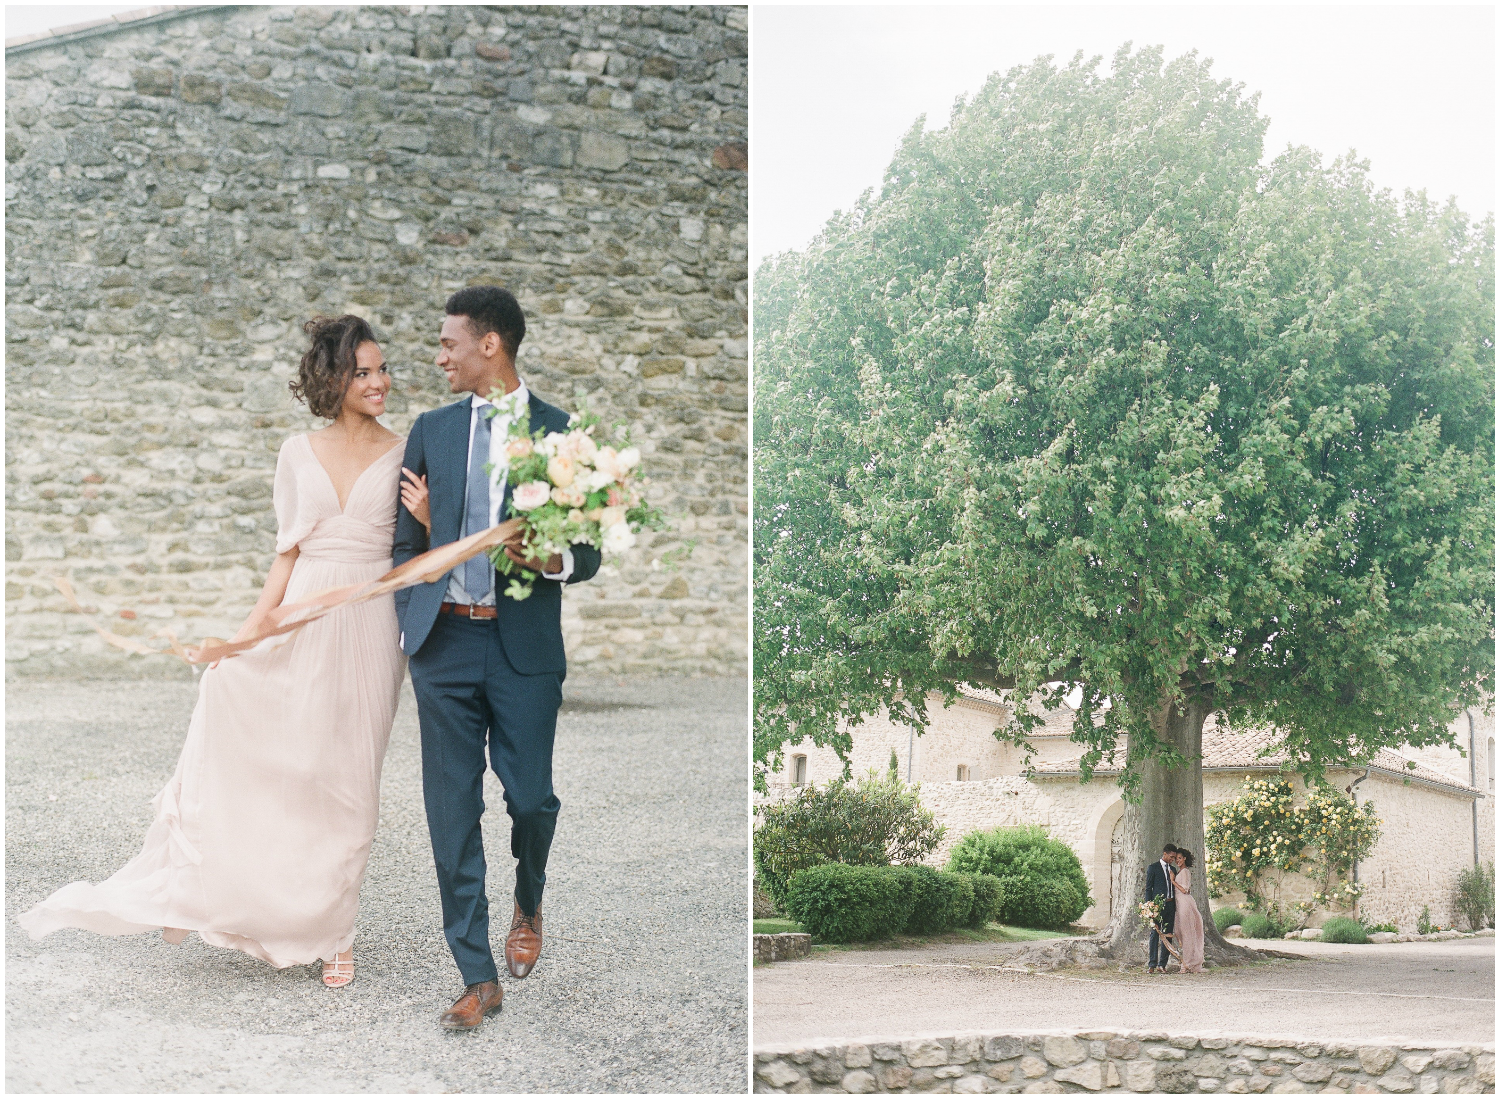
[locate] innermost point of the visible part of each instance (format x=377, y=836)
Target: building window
x=1489, y=757
x=799, y=770
x=963, y=772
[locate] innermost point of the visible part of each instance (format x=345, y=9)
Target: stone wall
x=183, y=192
x=1133, y=1061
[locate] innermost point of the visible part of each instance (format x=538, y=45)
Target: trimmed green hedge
x=1225, y=918
x=1341, y=929
x=1257, y=925
x=939, y=901
x=989, y=899
x=1043, y=880
x=838, y=903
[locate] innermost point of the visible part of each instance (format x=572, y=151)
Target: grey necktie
x=478, y=572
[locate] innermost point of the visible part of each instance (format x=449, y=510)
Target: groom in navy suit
x=487, y=669
x=1161, y=886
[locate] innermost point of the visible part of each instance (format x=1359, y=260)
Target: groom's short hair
x=490, y=309
x=1172, y=847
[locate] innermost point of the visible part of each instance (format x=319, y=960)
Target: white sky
x=34, y=18
x=833, y=88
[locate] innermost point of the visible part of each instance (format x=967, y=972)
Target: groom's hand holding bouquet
x=567, y=488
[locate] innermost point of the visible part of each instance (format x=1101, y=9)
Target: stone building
x=185, y=187
x=1434, y=823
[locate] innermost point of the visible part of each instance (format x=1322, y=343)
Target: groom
x=1160, y=884
x=487, y=669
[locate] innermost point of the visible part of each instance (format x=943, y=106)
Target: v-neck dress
x=262, y=835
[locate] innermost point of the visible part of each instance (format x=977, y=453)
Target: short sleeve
x=294, y=518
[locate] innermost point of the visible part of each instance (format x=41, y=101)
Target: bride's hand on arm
x=415, y=499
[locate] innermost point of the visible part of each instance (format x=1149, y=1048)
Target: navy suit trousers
x=470, y=697
x=1159, y=953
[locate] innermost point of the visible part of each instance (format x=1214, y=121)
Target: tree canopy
x=1089, y=394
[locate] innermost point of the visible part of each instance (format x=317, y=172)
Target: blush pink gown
x=1188, y=927
x=262, y=835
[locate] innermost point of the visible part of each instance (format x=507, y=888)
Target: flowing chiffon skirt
x=262, y=835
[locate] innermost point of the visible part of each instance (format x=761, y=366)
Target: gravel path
x=1441, y=990
x=642, y=986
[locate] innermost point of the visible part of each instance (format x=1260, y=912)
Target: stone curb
x=1123, y=1060
x=783, y=947
x=1377, y=938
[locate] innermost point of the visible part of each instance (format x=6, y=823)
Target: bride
x=262, y=835
x=1189, y=924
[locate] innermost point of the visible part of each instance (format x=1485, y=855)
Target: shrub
x=1369, y=927
x=876, y=822
x=1225, y=918
x=838, y=903
x=989, y=899
x=1424, y=922
x=1341, y=929
x=1474, y=895
x=940, y=901
x=1037, y=902
x=1042, y=878
x=1257, y=925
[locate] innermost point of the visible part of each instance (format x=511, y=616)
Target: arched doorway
x=1101, y=859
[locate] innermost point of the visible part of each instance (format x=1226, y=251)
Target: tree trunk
x=1170, y=810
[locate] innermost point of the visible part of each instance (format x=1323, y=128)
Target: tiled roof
x=1224, y=749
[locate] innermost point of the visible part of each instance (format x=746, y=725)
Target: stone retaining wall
x=784, y=947
x=1135, y=1061
x=183, y=192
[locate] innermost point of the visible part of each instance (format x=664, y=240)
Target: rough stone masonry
x=1135, y=1061
x=184, y=190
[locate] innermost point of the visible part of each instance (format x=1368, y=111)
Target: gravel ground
x=1441, y=991
x=641, y=987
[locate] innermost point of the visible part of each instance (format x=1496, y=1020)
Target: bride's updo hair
x=325, y=370
x=1187, y=857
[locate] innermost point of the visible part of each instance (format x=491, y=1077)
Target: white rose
x=585, y=448
x=618, y=538
x=611, y=517
x=533, y=494
x=629, y=458
x=598, y=479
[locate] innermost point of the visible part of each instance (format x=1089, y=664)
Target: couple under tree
x=262, y=835
x=1168, y=882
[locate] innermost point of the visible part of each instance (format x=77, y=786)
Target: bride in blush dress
x=262, y=835
x=1189, y=925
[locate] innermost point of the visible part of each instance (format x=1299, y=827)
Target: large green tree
x=1089, y=396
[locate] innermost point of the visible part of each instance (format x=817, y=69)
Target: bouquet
x=569, y=487
x=1151, y=912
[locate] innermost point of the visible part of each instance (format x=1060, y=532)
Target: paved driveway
x=642, y=986
x=1443, y=991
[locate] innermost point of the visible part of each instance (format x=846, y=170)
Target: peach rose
x=533, y=494
x=611, y=517
x=518, y=448
x=560, y=471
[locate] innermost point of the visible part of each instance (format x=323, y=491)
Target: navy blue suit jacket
x=530, y=629
x=1156, y=882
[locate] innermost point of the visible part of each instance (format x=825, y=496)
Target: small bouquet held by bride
x=570, y=487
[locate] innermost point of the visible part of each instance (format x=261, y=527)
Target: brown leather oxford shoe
x=524, y=943
x=469, y=1010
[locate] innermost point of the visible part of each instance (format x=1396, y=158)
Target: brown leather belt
x=469, y=610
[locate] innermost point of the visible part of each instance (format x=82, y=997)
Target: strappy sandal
x=337, y=976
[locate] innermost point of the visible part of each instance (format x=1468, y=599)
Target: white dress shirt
x=499, y=435
x=1171, y=880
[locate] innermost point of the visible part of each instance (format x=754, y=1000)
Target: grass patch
x=776, y=927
